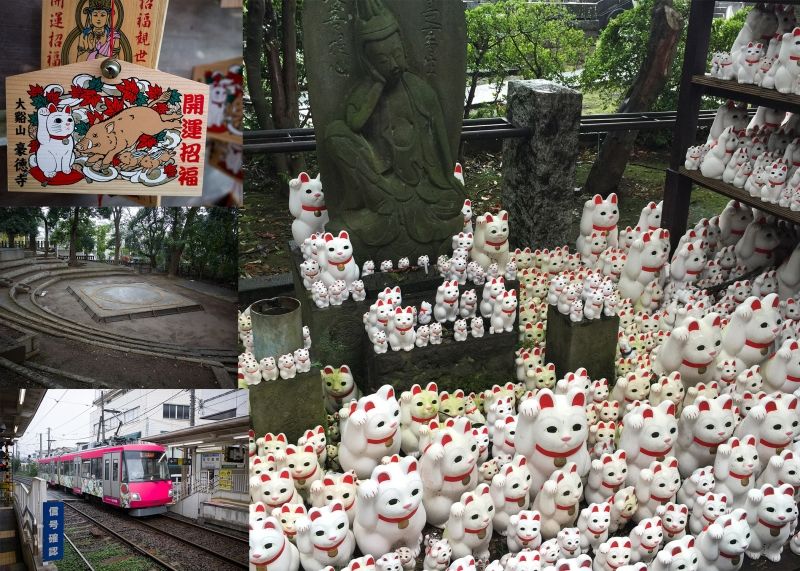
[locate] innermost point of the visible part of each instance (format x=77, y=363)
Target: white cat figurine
x=369, y=432
x=771, y=513
x=337, y=259
x=324, y=537
x=307, y=205
x=510, y=490
x=469, y=525
x=721, y=545
x=558, y=500
x=524, y=531
x=270, y=548
x=56, y=145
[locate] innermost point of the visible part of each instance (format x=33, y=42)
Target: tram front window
x=145, y=466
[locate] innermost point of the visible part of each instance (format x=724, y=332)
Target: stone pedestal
x=592, y=344
x=539, y=171
x=338, y=336
x=288, y=405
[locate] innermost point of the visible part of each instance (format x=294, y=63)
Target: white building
x=139, y=413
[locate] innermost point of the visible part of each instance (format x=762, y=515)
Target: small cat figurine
x=324, y=537
x=54, y=135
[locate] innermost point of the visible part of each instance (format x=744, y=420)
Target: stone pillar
x=539, y=171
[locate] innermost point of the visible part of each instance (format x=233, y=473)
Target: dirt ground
x=265, y=222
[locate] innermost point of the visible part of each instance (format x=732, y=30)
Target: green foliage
x=724, y=32
x=619, y=53
x=61, y=232
x=540, y=40
x=101, y=236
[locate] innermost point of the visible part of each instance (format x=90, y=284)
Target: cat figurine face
x=706, y=511
x=304, y=464
x=437, y=553
x=268, y=545
x=423, y=404
x=678, y=555
x=775, y=421
x=389, y=562
x=451, y=405
x=338, y=383
x=614, y=553
x=288, y=515
x=316, y=438
x=731, y=533
x=338, y=249
x=335, y=487
x=650, y=429
x=277, y=489
x=274, y=444
x=463, y=240
x=328, y=530
x=258, y=515
x=674, y=519
x=602, y=214
x=607, y=475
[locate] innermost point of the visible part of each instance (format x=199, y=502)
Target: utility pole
x=49, y=440
x=192, y=402
x=103, y=414
x=40, y=445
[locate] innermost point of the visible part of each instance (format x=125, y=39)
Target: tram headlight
x=136, y=497
x=170, y=494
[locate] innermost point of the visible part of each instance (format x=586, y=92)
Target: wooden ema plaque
x=225, y=104
x=71, y=130
x=87, y=30
x=227, y=157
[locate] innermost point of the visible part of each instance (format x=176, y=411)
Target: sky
x=68, y=415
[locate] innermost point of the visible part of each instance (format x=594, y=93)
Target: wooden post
x=677, y=188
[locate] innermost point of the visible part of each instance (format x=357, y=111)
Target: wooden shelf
x=754, y=94
x=741, y=195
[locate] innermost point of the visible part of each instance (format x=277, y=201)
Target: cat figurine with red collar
x=678, y=555
x=418, y=407
x=524, y=531
x=446, y=308
x=324, y=537
x=316, y=437
x=551, y=433
x=612, y=554
x=336, y=487
x=271, y=550
x=607, y=475
x=276, y=489
x=307, y=205
x=389, y=509
x=503, y=436
x=646, y=258
x=707, y=509
x=736, y=467
x=491, y=240
x=593, y=523
x=691, y=349
x=370, y=431
x=783, y=468
x=340, y=387
x=648, y=435
x=504, y=312
x=304, y=464
x=698, y=484
x=751, y=331
x=558, y=500
x=656, y=486
x=569, y=543
x=401, y=329
x=469, y=525
x=674, y=520
x=337, y=259
x=599, y=215
x=646, y=539
x=702, y=427
x=774, y=422
x=510, y=490
x=287, y=515
x=448, y=466
x=721, y=545
x=491, y=291
x=771, y=513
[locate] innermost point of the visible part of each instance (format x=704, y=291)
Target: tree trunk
x=32, y=238
x=73, y=237
x=46, y=239
x=117, y=217
x=665, y=31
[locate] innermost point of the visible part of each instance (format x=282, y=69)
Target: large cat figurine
x=735, y=469
x=551, y=432
x=722, y=544
x=771, y=513
x=702, y=427
x=307, y=205
x=775, y=422
x=751, y=331
x=558, y=500
x=56, y=145
x=337, y=259
x=389, y=510
x=271, y=549
x=491, y=240
x=324, y=537
x=448, y=466
x=510, y=491
x=336, y=487
x=469, y=526
x=370, y=431
x=691, y=349
x=656, y=486
x=648, y=434
x=599, y=215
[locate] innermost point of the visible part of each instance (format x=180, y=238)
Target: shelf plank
x=741, y=195
x=754, y=94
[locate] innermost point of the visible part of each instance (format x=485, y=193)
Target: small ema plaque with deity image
x=225, y=110
x=386, y=83
x=85, y=30
x=71, y=130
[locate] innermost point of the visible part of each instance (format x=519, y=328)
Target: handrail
x=28, y=504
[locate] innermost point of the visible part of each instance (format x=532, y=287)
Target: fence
x=28, y=505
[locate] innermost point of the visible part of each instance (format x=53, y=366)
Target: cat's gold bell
x=110, y=68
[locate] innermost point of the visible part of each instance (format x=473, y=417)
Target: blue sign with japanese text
x=52, y=531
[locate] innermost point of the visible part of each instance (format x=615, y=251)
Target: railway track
x=165, y=543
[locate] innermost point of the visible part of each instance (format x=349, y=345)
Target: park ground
x=265, y=222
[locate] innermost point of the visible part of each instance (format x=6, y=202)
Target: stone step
x=16, y=273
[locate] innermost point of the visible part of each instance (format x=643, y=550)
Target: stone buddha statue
x=392, y=151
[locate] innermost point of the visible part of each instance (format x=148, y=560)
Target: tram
x=134, y=477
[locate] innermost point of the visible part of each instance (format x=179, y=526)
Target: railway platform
x=10, y=545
